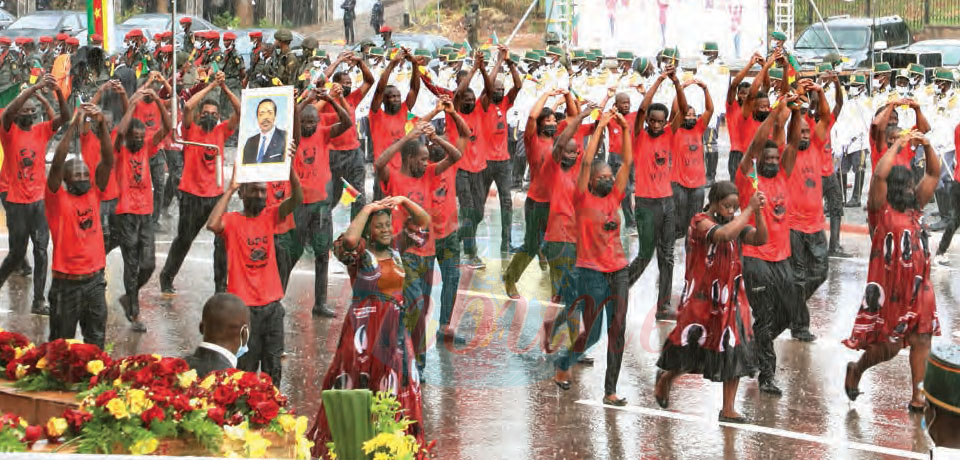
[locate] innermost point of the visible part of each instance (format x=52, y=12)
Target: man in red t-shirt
x=496, y=103
x=149, y=113
x=312, y=165
x=736, y=96
x=78, y=289
x=689, y=170
x=135, y=204
x=24, y=173
x=252, y=272
x=767, y=273
x=90, y=151
x=615, y=134
x=199, y=191
x=655, y=211
x=414, y=180
x=389, y=113
x=346, y=156
x=470, y=192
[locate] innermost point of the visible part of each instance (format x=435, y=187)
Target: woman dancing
x=714, y=336
x=375, y=350
x=898, y=307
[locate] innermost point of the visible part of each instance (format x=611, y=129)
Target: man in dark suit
x=269, y=145
x=225, y=326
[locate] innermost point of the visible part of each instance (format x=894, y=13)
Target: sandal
x=725, y=419
x=664, y=401
x=852, y=393
x=564, y=385
x=915, y=409
x=619, y=402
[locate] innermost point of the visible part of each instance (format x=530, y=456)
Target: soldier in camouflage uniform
x=29, y=59
x=10, y=74
x=311, y=64
x=285, y=64
x=232, y=67
x=186, y=23
x=46, y=51
x=261, y=71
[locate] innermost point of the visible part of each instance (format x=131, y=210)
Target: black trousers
x=689, y=202
x=27, y=222
x=136, y=238
x=448, y=259
x=833, y=196
x=348, y=31
x=470, y=195
x=81, y=302
x=194, y=211
x=771, y=291
x=535, y=216
x=952, y=225
x=158, y=165
x=808, y=259
x=615, y=161
x=518, y=156
x=266, y=341
x=347, y=164
x=500, y=172
x=314, y=230
x=174, y=173
x=711, y=154
x=733, y=162
x=656, y=231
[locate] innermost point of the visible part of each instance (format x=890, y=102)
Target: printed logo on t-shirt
x=26, y=159
x=309, y=155
x=85, y=219
x=779, y=206
x=440, y=193
x=660, y=156
x=136, y=170
x=257, y=248
x=500, y=125
x=208, y=156
x=278, y=189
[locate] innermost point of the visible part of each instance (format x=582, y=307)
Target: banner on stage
x=265, y=135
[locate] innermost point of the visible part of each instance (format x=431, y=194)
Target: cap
x=777, y=35
x=309, y=42
x=941, y=382
x=229, y=36
x=376, y=51
x=5, y=41
x=625, y=55
x=776, y=73
x=454, y=56
x=944, y=74
x=531, y=56
x=62, y=36
x=135, y=33
x=213, y=35
x=186, y=20
x=824, y=67
x=551, y=38
x=917, y=69
x=166, y=49
x=70, y=41
x=255, y=34
x=640, y=64
x=20, y=41
x=514, y=58
x=385, y=29
x=710, y=46
x=164, y=34
x=96, y=38
x=283, y=35
x=579, y=55
x=320, y=53
x=882, y=67
x=422, y=52
x=672, y=53
x=858, y=79
x=554, y=50
x=46, y=39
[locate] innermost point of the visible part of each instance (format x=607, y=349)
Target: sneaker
x=40, y=307
x=323, y=310
x=476, y=263
x=804, y=336
x=941, y=260
x=768, y=387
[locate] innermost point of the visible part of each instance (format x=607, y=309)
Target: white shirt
x=265, y=140
x=232, y=358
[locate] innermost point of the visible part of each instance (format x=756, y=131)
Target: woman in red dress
x=898, y=307
x=375, y=351
x=713, y=336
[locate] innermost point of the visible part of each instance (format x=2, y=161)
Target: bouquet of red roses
x=58, y=365
x=243, y=396
x=12, y=346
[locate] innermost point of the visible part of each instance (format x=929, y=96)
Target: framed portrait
x=265, y=134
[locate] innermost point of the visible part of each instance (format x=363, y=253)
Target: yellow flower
x=117, y=382
x=303, y=449
x=42, y=363
x=56, y=426
x=137, y=400
x=255, y=445
x=21, y=371
x=23, y=422
x=302, y=423
x=288, y=422
x=208, y=382
x=237, y=432
x=156, y=357
x=144, y=447
x=381, y=456
x=187, y=378
x=94, y=367
x=17, y=353
x=237, y=376
x=73, y=341
x=116, y=407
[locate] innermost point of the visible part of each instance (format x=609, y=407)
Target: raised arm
x=738, y=78
x=55, y=176
x=931, y=174
x=234, y=121
x=822, y=129
x=583, y=180
x=377, y=102
x=488, y=80
x=453, y=153
x=626, y=151
x=517, y=81
x=922, y=124
x=761, y=137
x=104, y=168
x=569, y=131
x=878, y=183
x=414, y=83
x=195, y=102
x=296, y=192
x=789, y=157
x=707, y=102
x=681, y=98
x=13, y=109
x=380, y=164
x=756, y=85
x=215, y=220
x=343, y=118
x=537, y=109
x=367, y=76
x=61, y=101
x=465, y=82
x=837, y=94
x=755, y=236
x=878, y=127
x=125, y=121
x=647, y=100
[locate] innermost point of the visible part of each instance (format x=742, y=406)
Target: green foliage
x=124, y=15
x=384, y=410
x=163, y=428
x=204, y=430
x=226, y=20
x=101, y=434
x=10, y=441
x=40, y=382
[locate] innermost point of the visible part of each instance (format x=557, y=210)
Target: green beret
x=555, y=50
x=454, y=56
x=422, y=52
x=531, y=56
x=941, y=382
x=824, y=67
x=376, y=51
x=672, y=53
x=710, y=46
x=641, y=64
x=444, y=50
x=858, y=79
x=579, y=54
x=515, y=58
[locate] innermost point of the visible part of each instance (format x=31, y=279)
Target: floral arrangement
x=390, y=441
x=18, y=436
x=58, y=365
x=12, y=346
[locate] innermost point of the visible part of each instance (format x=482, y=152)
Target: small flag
x=411, y=123
x=349, y=195
x=753, y=179
x=35, y=72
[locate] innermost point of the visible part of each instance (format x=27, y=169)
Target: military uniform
x=10, y=72
x=284, y=65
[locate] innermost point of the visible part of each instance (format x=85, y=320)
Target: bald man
x=225, y=326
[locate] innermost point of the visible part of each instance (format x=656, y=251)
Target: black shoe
x=839, y=253
x=25, y=270
x=323, y=310
x=771, y=388
x=619, y=402
x=853, y=203
x=725, y=419
x=804, y=336
x=852, y=393
x=477, y=263
x=137, y=326
x=663, y=402
x=564, y=385
x=125, y=303
x=40, y=307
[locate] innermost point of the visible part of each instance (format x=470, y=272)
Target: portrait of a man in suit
x=269, y=145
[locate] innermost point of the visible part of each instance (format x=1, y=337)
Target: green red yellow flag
x=100, y=21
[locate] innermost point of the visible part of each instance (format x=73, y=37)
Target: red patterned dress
x=713, y=336
x=899, y=297
x=375, y=351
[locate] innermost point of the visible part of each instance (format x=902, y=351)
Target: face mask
x=243, y=349
x=689, y=123
x=803, y=145
x=208, y=122
x=653, y=134
x=769, y=170
x=903, y=90
x=549, y=130
x=307, y=132
x=761, y=116
x=567, y=163
x=391, y=108
x=467, y=108
x=254, y=205
x=134, y=145
x=346, y=91
x=25, y=121
x=78, y=187
x=603, y=187
x=497, y=97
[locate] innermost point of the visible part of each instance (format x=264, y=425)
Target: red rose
x=76, y=418
x=181, y=403
x=151, y=414
x=216, y=414
x=105, y=397
x=224, y=396
x=265, y=411
x=32, y=434
x=236, y=419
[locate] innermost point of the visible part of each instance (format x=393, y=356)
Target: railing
x=917, y=13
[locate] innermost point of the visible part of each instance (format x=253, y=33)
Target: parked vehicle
x=152, y=23
x=433, y=43
x=949, y=49
x=6, y=18
x=39, y=23
x=856, y=38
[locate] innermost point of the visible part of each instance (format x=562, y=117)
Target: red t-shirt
x=777, y=247
x=251, y=262
x=386, y=129
x=90, y=150
x=312, y=164
x=734, y=117
x=582, y=132
x=277, y=192
x=443, y=202
x=562, y=222
x=805, y=184
x=494, y=136
x=538, y=149
x=615, y=133
x=827, y=149
x=417, y=189
x=473, y=159
x=24, y=161
x=748, y=129
x=200, y=163
x=134, y=182
x=688, y=169
x=599, y=248
x=348, y=140
x=903, y=157
x=956, y=145
x=652, y=165
x=75, y=230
